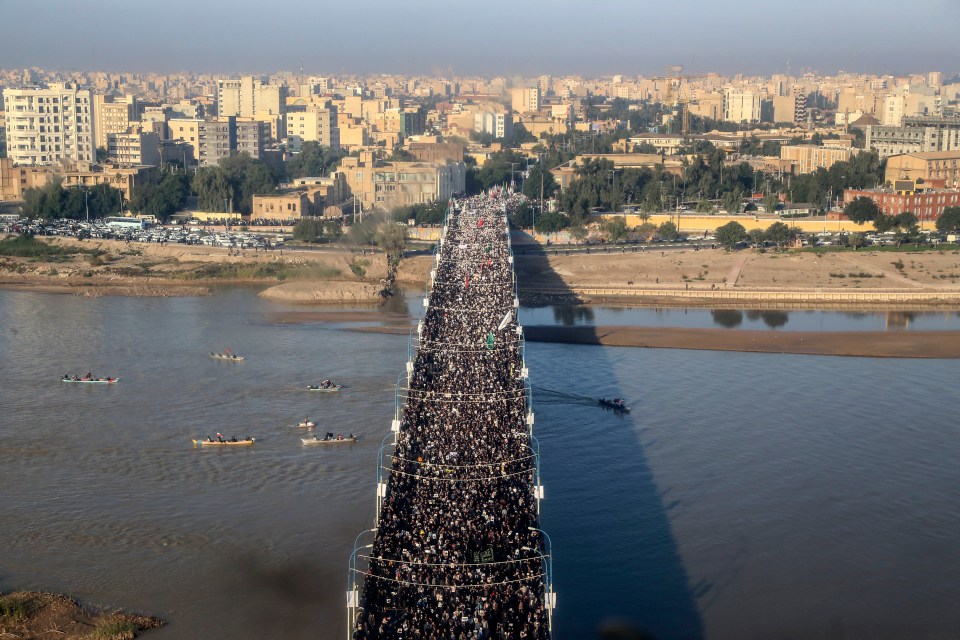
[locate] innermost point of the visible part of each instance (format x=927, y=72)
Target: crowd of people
x=457, y=554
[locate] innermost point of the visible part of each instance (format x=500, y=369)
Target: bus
x=126, y=223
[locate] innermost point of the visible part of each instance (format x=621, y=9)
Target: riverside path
x=457, y=550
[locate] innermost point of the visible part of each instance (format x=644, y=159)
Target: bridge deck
x=458, y=547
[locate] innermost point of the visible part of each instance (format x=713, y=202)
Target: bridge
x=457, y=549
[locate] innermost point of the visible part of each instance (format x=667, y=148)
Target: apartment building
x=310, y=123
x=525, y=99
x=134, y=147
x=112, y=116
x=926, y=205
x=495, y=122
x=250, y=97
x=46, y=125
x=387, y=185
x=918, y=134
x=741, y=106
x=925, y=167
x=807, y=158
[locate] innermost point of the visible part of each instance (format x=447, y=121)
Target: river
x=745, y=496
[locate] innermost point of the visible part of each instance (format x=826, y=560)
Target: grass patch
x=359, y=267
x=16, y=607
x=898, y=265
x=115, y=629
x=864, y=274
x=838, y=275
x=263, y=271
x=30, y=247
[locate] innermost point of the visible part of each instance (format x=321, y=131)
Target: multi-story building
x=250, y=97
x=926, y=205
x=134, y=147
x=917, y=135
x=386, y=185
x=250, y=137
x=497, y=123
x=46, y=125
x=741, y=106
x=306, y=123
x=112, y=116
x=525, y=99
x=15, y=179
x=807, y=158
x=925, y=167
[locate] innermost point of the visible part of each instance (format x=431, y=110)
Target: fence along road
x=457, y=546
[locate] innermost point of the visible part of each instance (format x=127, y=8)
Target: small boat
x=107, y=380
x=328, y=439
x=233, y=442
x=231, y=357
x=306, y=424
x=323, y=389
x=616, y=404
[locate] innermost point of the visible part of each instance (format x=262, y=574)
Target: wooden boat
x=246, y=442
x=230, y=357
x=329, y=439
x=331, y=389
x=615, y=406
x=106, y=380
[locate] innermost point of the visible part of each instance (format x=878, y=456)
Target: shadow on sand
x=617, y=572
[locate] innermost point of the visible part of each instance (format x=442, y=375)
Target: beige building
x=525, y=99
x=741, y=106
x=280, y=206
x=112, y=116
x=135, y=147
x=309, y=123
x=933, y=165
x=807, y=158
x=15, y=179
x=126, y=179
x=387, y=185
x=250, y=97
x=46, y=125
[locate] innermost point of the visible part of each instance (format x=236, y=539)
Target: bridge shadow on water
x=618, y=572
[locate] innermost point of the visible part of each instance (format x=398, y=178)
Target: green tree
x=531, y=184
x=313, y=159
x=731, y=201
x=757, y=236
x=704, y=206
x=552, y=221
x=213, y=189
x=779, y=234
x=579, y=232
x=949, y=220
x=857, y=240
x=668, y=231
x=392, y=238
x=308, y=229
x=862, y=209
x=247, y=177
x=161, y=199
x=616, y=228
x=770, y=202
x=731, y=234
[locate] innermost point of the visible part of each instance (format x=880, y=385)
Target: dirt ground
x=32, y=616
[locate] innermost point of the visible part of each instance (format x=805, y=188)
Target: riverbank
x=30, y=615
x=861, y=344
x=95, y=268
x=670, y=277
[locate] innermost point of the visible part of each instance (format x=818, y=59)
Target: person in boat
x=219, y=437
x=329, y=436
x=339, y=436
x=326, y=384
x=233, y=439
x=66, y=376
x=76, y=377
x=89, y=376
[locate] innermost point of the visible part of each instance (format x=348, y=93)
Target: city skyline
x=422, y=37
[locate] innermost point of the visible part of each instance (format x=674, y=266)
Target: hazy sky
x=488, y=37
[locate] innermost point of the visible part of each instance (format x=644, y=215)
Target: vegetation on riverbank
x=31, y=615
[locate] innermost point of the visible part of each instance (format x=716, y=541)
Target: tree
x=616, y=228
x=949, y=220
x=308, y=229
x=779, y=233
x=579, y=232
x=731, y=201
x=884, y=223
x=862, y=209
x=646, y=231
x=731, y=234
x=857, y=240
x=213, y=189
x=704, y=206
x=392, y=238
x=162, y=199
x=757, y=236
x=313, y=159
x=531, y=184
x=770, y=202
x=668, y=231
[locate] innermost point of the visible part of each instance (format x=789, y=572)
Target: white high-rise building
x=46, y=125
x=740, y=106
